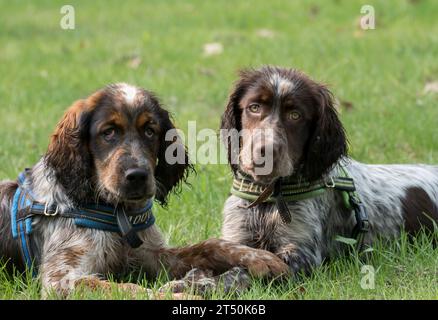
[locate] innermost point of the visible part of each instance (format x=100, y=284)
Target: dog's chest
x=264, y=225
x=100, y=251
x=268, y=231
x=108, y=253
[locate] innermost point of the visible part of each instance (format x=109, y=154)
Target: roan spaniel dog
x=295, y=190
x=84, y=210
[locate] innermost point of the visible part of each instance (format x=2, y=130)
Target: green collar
x=292, y=190
x=286, y=190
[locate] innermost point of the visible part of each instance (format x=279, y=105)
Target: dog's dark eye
x=294, y=115
x=109, y=134
x=149, y=132
x=254, y=107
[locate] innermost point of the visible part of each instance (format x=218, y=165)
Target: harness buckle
x=365, y=226
x=362, y=221
x=331, y=183
x=48, y=213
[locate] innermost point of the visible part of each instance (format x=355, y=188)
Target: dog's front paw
x=203, y=282
x=196, y=280
x=261, y=263
x=235, y=280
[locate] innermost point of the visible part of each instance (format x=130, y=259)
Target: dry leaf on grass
x=431, y=87
x=347, y=105
x=214, y=48
x=265, y=33
x=134, y=62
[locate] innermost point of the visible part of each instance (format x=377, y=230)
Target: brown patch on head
x=117, y=118
x=262, y=95
x=144, y=118
x=419, y=210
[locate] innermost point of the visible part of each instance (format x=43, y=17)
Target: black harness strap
x=126, y=229
x=281, y=204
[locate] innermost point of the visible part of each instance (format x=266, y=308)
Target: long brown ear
x=170, y=174
x=328, y=142
x=231, y=119
x=67, y=155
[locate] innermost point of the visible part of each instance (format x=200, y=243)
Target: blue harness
x=94, y=216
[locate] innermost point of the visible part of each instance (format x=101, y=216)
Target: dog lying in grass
x=312, y=192
x=84, y=210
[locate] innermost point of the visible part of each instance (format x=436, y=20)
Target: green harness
x=286, y=190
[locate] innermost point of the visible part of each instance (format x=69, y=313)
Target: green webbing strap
x=246, y=189
x=287, y=190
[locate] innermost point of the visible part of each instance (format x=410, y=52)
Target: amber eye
x=294, y=115
x=254, y=107
x=109, y=134
x=149, y=132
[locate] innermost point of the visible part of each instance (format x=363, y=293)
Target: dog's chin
x=135, y=199
x=260, y=179
x=265, y=179
x=131, y=200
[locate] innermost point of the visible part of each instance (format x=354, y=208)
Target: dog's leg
x=300, y=259
x=62, y=275
x=215, y=255
x=94, y=283
x=69, y=262
x=220, y=256
x=299, y=244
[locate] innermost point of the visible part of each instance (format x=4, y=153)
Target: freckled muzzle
x=134, y=179
x=264, y=155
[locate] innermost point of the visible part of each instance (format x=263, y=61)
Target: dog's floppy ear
x=231, y=121
x=68, y=157
x=173, y=166
x=328, y=143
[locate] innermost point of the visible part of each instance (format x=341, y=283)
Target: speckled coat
x=396, y=197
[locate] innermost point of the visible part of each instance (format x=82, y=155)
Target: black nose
x=136, y=176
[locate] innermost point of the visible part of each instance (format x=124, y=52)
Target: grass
x=380, y=74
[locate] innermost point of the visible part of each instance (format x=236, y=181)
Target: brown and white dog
x=110, y=148
x=307, y=141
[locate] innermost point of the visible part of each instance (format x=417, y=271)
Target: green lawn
x=379, y=74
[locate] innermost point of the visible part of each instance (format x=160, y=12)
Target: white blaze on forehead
x=129, y=92
x=280, y=84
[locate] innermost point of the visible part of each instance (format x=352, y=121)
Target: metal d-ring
x=331, y=183
x=47, y=213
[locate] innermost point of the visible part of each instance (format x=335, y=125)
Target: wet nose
x=136, y=177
